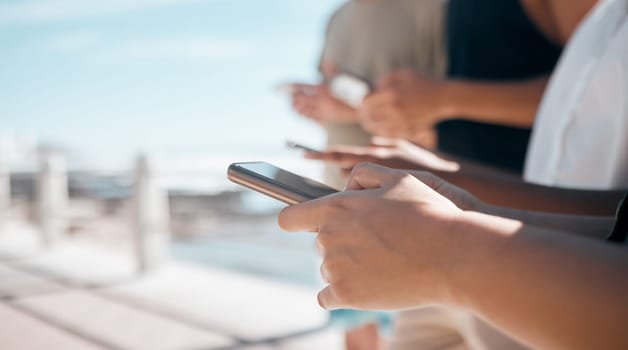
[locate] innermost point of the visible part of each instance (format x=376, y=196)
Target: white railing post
x=5, y=184
x=151, y=218
x=52, y=198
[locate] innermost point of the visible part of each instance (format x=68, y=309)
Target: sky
x=108, y=79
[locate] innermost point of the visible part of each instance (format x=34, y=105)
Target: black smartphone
x=277, y=183
x=299, y=147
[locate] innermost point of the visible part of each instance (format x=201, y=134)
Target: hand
x=386, y=242
x=404, y=105
x=392, y=153
x=317, y=103
x=461, y=198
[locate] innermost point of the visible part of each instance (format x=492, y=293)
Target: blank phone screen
x=295, y=183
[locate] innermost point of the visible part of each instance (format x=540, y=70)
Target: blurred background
x=147, y=101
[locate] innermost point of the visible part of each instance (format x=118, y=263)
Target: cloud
x=19, y=11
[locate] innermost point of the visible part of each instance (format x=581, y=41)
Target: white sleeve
x=580, y=135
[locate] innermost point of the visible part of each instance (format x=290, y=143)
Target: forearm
x=598, y=227
x=547, y=288
x=507, y=103
x=505, y=190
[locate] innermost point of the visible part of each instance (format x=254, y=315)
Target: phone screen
x=308, y=188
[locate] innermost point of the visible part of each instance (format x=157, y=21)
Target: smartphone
x=277, y=183
x=296, y=146
x=349, y=89
x=293, y=88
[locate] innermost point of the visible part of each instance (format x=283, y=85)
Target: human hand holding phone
x=318, y=103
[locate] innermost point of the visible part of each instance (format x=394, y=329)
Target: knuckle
x=324, y=239
x=336, y=204
x=343, y=293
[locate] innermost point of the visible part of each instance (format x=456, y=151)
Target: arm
x=491, y=185
x=406, y=103
x=547, y=288
x=597, y=227
x=506, y=103
x=507, y=190
x=391, y=242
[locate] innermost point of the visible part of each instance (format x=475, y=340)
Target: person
x=489, y=184
x=369, y=39
x=393, y=242
x=578, y=161
x=499, y=64
x=498, y=85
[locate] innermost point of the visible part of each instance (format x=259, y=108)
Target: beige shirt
x=370, y=39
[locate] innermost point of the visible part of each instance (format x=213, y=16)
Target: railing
x=149, y=218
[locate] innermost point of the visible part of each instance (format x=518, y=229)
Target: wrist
x=451, y=91
x=479, y=240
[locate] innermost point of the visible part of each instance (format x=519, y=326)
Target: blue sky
x=111, y=78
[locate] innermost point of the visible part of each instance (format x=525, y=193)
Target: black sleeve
x=620, y=232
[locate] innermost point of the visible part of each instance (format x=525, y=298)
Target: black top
x=492, y=40
x=620, y=232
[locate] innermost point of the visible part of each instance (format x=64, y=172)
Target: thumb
x=379, y=141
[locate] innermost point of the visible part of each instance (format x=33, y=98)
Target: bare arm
x=597, y=227
x=505, y=103
x=491, y=185
x=407, y=103
x=549, y=289
x=507, y=190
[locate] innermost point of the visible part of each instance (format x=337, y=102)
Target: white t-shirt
x=580, y=136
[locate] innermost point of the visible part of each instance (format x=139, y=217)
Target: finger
x=369, y=176
x=303, y=88
x=388, y=81
x=379, y=141
x=303, y=217
x=344, y=160
x=395, y=79
x=327, y=299
x=376, y=99
x=346, y=172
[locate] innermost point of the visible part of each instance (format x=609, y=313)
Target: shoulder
x=340, y=13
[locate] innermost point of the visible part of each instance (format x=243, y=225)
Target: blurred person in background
x=578, y=141
x=498, y=66
x=369, y=39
